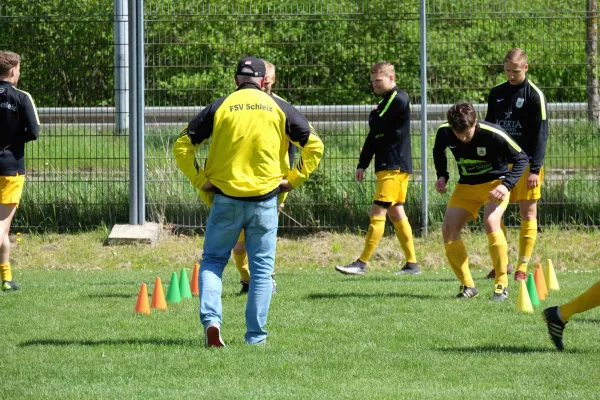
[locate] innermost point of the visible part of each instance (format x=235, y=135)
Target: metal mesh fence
x=79, y=171
x=466, y=46
x=322, y=51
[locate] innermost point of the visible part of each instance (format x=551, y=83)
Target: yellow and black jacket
x=484, y=159
x=389, y=134
x=248, y=155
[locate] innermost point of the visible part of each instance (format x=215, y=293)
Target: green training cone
x=184, y=285
x=535, y=301
x=173, y=295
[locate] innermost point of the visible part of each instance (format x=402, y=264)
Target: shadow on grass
x=113, y=342
x=333, y=296
x=396, y=278
x=114, y=296
x=586, y=320
x=455, y=280
x=494, y=348
x=123, y=283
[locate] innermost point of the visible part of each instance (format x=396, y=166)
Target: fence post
x=121, y=67
x=424, y=178
x=141, y=62
x=133, y=118
x=591, y=50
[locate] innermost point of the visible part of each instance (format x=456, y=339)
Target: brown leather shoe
x=520, y=276
x=492, y=274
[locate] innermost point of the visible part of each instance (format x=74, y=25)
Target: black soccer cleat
x=409, y=269
x=9, y=286
x=244, y=289
x=467, y=292
x=555, y=327
x=500, y=293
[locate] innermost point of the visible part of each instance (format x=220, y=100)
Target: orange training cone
x=142, y=305
x=551, y=280
x=540, y=282
x=158, y=296
x=194, y=282
x=523, y=300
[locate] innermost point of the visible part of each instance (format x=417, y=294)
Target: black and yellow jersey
x=484, y=159
x=19, y=124
x=250, y=132
x=389, y=134
x=522, y=112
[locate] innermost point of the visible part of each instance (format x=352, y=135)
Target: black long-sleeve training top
x=484, y=159
x=19, y=124
x=389, y=134
x=522, y=112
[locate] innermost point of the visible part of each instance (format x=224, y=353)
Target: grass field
x=71, y=332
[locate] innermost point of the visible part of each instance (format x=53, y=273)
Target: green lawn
x=71, y=332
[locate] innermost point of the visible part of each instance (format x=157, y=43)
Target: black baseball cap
x=251, y=63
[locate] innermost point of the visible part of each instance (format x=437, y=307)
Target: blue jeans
x=226, y=219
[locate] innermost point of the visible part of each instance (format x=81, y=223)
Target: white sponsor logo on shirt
x=9, y=106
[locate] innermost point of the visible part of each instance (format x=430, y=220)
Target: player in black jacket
x=19, y=124
x=389, y=141
x=519, y=107
x=483, y=152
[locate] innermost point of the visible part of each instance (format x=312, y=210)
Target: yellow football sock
x=5, y=272
x=499, y=252
x=241, y=263
x=374, y=234
x=526, y=242
x=459, y=261
x=586, y=301
x=404, y=235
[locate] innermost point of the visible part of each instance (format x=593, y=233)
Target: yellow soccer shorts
x=472, y=197
x=391, y=187
x=520, y=191
x=11, y=188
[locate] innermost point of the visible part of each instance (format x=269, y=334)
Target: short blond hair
x=8, y=60
x=384, y=67
x=516, y=55
x=270, y=68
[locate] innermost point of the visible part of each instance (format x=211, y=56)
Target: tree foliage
x=323, y=49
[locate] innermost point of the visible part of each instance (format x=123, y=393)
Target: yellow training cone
x=551, y=280
x=540, y=282
x=523, y=300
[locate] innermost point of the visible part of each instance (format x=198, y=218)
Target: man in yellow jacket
x=246, y=168
x=240, y=257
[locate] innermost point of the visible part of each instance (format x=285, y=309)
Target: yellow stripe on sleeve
x=542, y=100
x=388, y=103
x=511, y=142
x=37, y=118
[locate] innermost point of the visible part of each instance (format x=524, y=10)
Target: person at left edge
x=245, y=168
x=19, y=124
